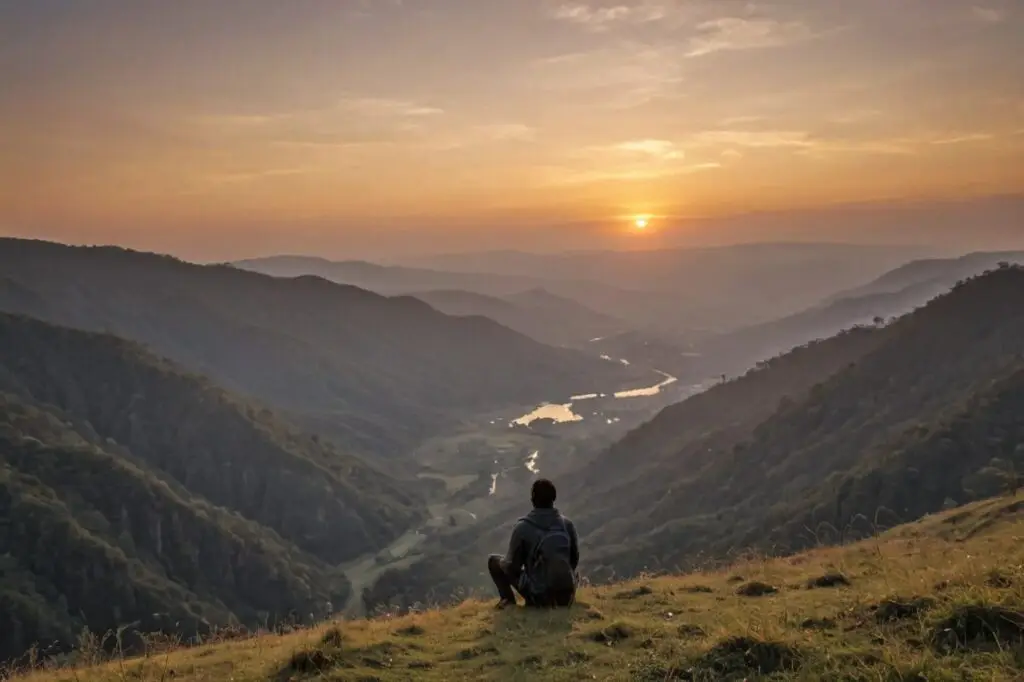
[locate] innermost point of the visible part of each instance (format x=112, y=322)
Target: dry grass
x=941, y=599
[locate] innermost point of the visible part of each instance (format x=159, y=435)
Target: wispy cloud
x=377, y=106
x=730, y=142
x=661, y=149
x=960, y=139
x=485, y=133
x=752, y=138
x=562, y=175
x=988, y=15
x=602, y=17
x=734, y=33
x=627, y=75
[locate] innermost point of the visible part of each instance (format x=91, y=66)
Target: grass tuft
x=896, y=609
x=746, y=655
x=828, y=580
x=974, y=626
x=755, y=589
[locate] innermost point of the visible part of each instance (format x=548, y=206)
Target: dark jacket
x=526, y=535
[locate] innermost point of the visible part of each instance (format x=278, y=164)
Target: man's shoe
x=504, y=604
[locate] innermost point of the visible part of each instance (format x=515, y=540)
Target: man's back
x=548, y=548
x=543, y=555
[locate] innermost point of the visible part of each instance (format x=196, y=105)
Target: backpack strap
x=545, y=530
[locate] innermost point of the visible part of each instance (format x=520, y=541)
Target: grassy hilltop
x=940, y=599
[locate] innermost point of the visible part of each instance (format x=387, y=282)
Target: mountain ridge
x=132, y=491
x=373, y=372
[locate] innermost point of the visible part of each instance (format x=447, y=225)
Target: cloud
x=486, y=133
x=377, y=106
x=987, y=15
x=603, y=17
x=960, y=139
x=661, y=149
x=637, y=159
x=734, y=33
x=796, y=141
x=753, y=138
x=562, y=175
x=504, y=131
x=322, y=121
x=854, y=116
x=626, y=75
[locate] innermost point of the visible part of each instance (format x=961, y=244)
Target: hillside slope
x=132, y=491
x=942, y=271
x=884, y=426
x=941, y=599
x=373, y=372
x=891, y=295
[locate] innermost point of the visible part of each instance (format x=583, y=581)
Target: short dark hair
x=543, y=494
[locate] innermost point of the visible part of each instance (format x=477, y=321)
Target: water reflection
x=531, y=462
x=645, y=392
x=563, y=413
x=556, y=413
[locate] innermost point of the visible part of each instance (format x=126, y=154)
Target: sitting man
x=542, y=555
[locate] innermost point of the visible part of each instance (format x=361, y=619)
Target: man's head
x=543, y=494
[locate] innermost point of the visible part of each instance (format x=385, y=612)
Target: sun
x=641, y=222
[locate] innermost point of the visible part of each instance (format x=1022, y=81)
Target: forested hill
x=133, y=492
x=374, y=372
x=887, y=423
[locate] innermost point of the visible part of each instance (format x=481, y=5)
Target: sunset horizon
x=235, y=129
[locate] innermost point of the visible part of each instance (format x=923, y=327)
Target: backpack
x=549, y=566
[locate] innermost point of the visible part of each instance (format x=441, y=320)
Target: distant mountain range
x=538, y=313
x=892, y=294
x=377, y=374
x=688, y=293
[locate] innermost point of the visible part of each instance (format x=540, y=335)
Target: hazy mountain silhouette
x=538, y=313
x=682, y=292
x=894, y=293
x=932, y=271
x=714, y=288
x=377, y=373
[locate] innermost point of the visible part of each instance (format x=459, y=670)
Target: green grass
x=941, y=599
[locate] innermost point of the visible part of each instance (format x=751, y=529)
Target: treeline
x=135, y=494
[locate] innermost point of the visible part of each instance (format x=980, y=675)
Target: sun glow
x=641, y=222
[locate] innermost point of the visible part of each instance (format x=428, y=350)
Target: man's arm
x=574, y=544
x=514, y=558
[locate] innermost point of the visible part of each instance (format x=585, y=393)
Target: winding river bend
x=562, y=413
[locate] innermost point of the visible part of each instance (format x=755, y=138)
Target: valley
x=242, y=450
x=489, y=463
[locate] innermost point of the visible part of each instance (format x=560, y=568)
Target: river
x=562, y=413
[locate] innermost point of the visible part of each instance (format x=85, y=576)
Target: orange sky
x=203, y=118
